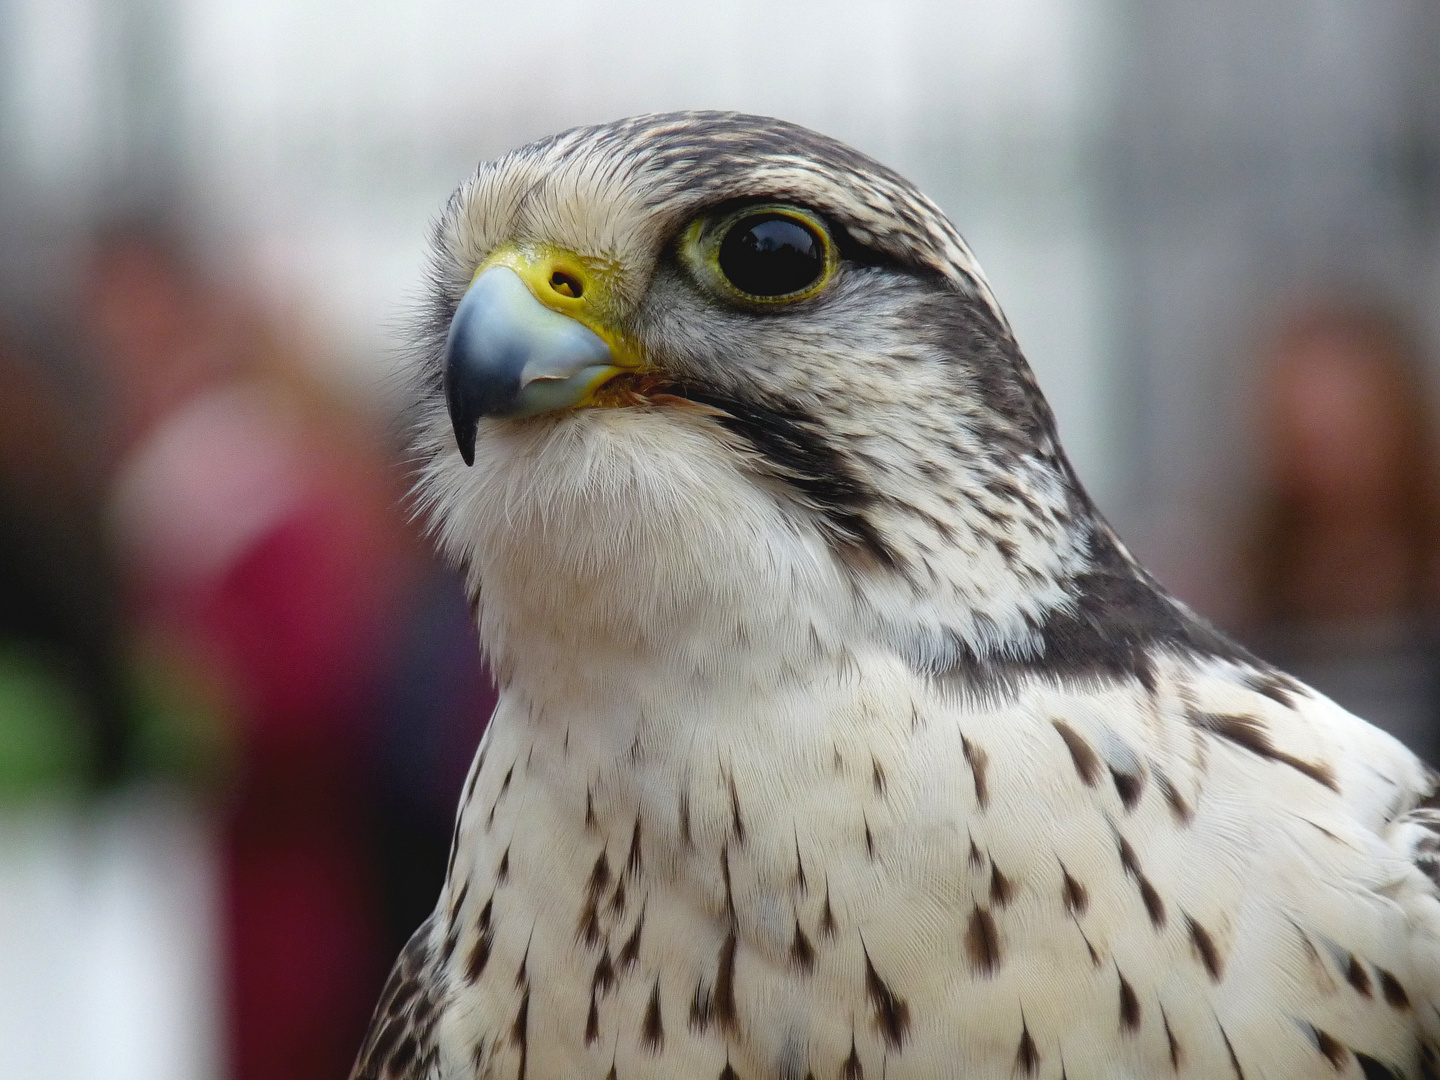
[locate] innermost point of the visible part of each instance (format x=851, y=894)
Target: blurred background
x=237, y=697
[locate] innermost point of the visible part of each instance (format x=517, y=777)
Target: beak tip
x=465, y=429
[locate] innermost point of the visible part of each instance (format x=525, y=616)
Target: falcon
x=839, y=737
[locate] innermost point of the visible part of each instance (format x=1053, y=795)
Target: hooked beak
x=510, y=355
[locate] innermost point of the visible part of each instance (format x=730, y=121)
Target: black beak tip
x=465, y=440
x=464, y=420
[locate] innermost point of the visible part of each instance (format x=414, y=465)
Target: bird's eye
x=763, y=254
x=770, y=255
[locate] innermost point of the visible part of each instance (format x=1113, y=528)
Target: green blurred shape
x=44, y=743
x=180, y=719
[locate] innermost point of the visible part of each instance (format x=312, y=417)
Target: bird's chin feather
x=605, y=532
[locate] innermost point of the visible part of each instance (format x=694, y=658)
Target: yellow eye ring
x=762, y=254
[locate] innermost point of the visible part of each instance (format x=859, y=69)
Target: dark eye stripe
x=796, y=448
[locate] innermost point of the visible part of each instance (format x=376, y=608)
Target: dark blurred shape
x=63, y=713
x=437, y=701
x=255, y=513
x=1346, y=555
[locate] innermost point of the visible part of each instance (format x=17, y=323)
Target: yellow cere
x=574, y=285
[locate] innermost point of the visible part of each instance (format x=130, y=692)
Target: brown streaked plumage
x=808, y=572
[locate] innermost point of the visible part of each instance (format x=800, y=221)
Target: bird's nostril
x=566, y=284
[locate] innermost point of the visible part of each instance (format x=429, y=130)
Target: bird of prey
x=838, y=736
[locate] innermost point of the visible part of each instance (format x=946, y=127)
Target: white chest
x=863, y=876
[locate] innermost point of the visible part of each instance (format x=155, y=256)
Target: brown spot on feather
x=522, y=973
x=737, y=823
x=402, y=1057
x=1277, y=687
x=588, y=930
x=1205, y=949
x=1375, y=1070
x=700, y=1008
x=1176, y=1055
x=630, y=951
x=633, y=859
x=652, y=1027
x=1323, y=980
x=1077, y=897
x=592, y=1019
x=982, y=941
x=828, y=927
x=484, y=940
x=1154, y=906
x=1027, y=1055
x=599, y=876
x=604, y=977
x=722, y=1003
x=1128, y=786
x=459, y=901
x=1248, y=733
x=725, y=877
x=1129, y=1006
x=1394, y=993
x=1334, y=1050
x=1002, y=891
x=892, y=1012
x=1086, y=761
x=979, y=761
x=1356, y=976
x=1179, y=808
x=520, y=1032
x=802, y=953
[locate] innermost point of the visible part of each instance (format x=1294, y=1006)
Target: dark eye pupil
x=771, y=255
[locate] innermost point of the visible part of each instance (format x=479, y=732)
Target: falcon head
x=703, y=384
